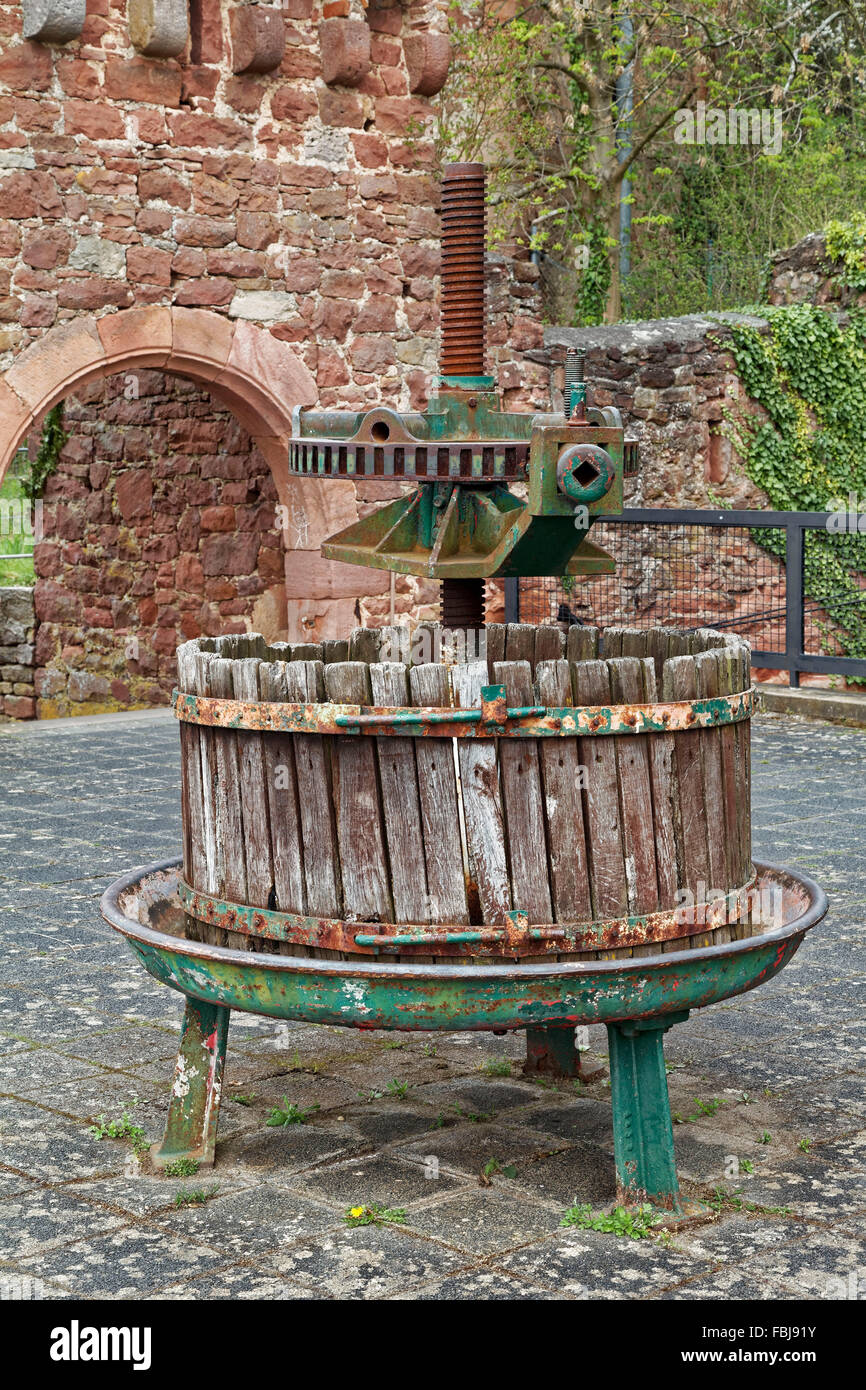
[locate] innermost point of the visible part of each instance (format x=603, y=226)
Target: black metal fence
x=793, y=583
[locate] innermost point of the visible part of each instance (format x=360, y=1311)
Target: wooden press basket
x=541, y=804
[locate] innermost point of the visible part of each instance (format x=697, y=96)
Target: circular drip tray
x=144, y=907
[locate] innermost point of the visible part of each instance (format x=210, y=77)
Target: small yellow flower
x=356, y=1211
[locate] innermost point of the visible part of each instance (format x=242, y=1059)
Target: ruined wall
x=17, y=627
x=272, y=166
x=160, y=524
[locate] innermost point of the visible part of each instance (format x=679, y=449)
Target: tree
x=566, y=99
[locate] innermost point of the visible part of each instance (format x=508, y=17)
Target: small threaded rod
x=462, y=603
x=462, y=341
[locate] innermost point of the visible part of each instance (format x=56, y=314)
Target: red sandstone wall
x=160, y=525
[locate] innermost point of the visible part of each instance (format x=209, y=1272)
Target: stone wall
x=806, y=274
x=159, y=524
x=17, y=626
x=674, y=381
x=275, y=168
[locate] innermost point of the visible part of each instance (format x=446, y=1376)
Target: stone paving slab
x=477, y=1163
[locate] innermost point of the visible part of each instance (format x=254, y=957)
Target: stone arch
x=245, y=367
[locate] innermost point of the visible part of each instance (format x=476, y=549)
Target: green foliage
x=195, y=1197
x=846, y=245
x=181, y=1168
x=374, y=1214
x=594, y=282
x=632, y=1223
x=54, y=436
x=124, y=1128
x=809, y=374
x=13, y=503
x=290, y=1114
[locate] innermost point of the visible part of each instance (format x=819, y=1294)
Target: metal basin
x=144, y=907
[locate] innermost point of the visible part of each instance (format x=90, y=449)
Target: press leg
x=193, y=1112
x=551, y=1051
x=643, y=1135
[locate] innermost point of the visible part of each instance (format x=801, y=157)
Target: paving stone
x=465, y=1148
x=592, y=1265
x=251, y=1222
x=378, y=1177
x=127, y=1263
x=239, y=1282
x=478, y=1286
x=366, y=1262
x=35, y=1221
x=486, y=1222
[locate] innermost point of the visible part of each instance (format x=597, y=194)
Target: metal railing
x=785, y=580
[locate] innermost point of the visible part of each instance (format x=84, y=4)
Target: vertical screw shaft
x=462, y=340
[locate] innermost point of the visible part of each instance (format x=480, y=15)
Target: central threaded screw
x=462, y=339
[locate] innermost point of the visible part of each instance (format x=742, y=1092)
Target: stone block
x=53, y=21
x=345, y=48
x=258, y=38
x=158, y=28
x=428, y=57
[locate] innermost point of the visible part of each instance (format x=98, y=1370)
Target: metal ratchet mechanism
x=462, y=523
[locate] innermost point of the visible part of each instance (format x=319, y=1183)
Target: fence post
x=512, y=600
x=794, y=617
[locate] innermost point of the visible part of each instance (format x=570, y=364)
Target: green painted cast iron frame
x=492, y=720
x=515, y=937
x=462, y=522
x=638, y=999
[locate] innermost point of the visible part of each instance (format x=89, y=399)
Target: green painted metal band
x=516, y=935
x=491, y=721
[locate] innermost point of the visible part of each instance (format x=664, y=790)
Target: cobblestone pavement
x=772, y=1080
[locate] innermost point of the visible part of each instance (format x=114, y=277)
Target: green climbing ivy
x=809, y=374
x=595, y=279
x=846, y=250
x=54, y=436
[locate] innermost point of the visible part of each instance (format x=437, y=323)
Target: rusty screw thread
x=462, y=341
x=462, y=603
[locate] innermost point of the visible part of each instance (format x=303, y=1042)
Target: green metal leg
x=643, y=1135
x=193, y=1113
x=551, y=1051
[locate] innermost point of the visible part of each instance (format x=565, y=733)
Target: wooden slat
x=591, y=684
x=581, y=644
x=627, y=683
x=490, y=895
x=284, y=681
x=722, y=871
x=229, y=820
x=360, y=834
x=364, y=644
x=322, y=881
x=495, y=634
x=307, y=651
x=563, y=803
x=520, y=642
x=520, y=772
x=680, y=684
x=549, y=644
x=190, y=769
x=611, y=642
x=398, y=782
x=335, y=649
x=665, y=808
x=440, y=816
x=212, y=847
x=253, y=792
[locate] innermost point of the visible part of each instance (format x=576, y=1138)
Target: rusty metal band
x=492, y=720
x=516, y=936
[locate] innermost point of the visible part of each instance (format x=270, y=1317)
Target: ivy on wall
x=53, y=438
x=846, y=249
x=809, y=373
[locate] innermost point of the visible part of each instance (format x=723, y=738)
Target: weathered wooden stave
x=643, y=773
